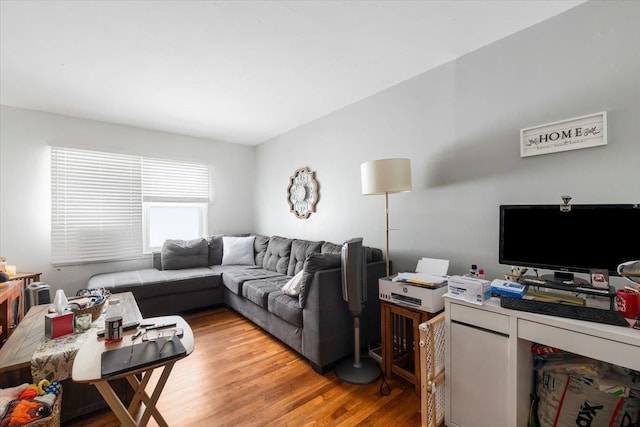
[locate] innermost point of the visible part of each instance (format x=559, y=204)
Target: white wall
x=25, y=201
x=459, y=124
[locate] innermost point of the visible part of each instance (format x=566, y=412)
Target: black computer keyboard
x=590, y=314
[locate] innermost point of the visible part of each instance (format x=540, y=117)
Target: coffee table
x=87, y=369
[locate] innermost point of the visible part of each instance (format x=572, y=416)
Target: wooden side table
x=400, y=340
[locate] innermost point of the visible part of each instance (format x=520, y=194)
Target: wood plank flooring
x=239, y=375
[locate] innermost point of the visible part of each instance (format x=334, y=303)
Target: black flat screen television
x=584, y=238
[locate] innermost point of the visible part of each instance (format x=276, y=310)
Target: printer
x=412, y=295
x=422, y=290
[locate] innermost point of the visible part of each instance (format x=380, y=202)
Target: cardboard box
x=509, y=289
x=470, y=289
x=57, y=325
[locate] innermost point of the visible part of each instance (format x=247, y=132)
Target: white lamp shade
x=386, y=176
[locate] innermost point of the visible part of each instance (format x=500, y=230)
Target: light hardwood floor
x=239, y=375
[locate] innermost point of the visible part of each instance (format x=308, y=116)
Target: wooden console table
x=11, y=308
x=17, y=355
x=27, y=278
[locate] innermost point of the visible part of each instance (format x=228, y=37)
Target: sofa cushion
x=260, y=246
x=257, y=291
x=285, y=307
x=238, y=250
x=234, y=278
x=126, y=278
x=316, y=262
x=299, y=251
x=179, y=254
x=331, y=248
x=277, y=256
x=150, y=276
x=373, y=254
x=178, y=282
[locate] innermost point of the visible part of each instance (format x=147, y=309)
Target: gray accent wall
x=25, y=184
x=459, y=124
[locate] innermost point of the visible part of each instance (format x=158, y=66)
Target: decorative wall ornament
x=302, y=194
x=580, y=132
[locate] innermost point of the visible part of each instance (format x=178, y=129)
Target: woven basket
x=94, y=310
x=52, y=420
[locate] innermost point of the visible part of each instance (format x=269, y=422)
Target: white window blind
x=97, y=201
x=175, y=197
x=172, y=181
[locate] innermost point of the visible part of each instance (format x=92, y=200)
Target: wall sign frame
x=572, y=134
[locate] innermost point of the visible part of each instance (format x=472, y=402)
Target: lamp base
x=366, y=372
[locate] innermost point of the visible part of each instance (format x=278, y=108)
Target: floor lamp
x=384, y=177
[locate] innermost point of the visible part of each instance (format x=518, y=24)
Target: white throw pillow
x=292, y=288
x=238, y=250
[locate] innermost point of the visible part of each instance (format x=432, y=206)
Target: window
x=164, y=221
x=175, y=197
x=109, y=207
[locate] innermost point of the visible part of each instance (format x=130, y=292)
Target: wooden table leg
x=126, y=415
x=139, y=388
x=151, y=403
x=115, y=404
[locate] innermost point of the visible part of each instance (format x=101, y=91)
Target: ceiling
x=234, y=71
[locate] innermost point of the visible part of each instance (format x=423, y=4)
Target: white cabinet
x=478, y=383
x=488, y=364
x=479, y=360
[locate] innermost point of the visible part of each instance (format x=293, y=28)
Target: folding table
x=87, y=369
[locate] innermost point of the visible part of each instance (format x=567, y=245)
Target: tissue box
x=57, y=325
x=470, y=289
x=509, y=289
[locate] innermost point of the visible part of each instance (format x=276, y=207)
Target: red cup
x=628, y=303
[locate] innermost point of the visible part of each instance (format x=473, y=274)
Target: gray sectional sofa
x=315, y=322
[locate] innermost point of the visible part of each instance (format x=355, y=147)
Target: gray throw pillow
x=179, y=254
x=315, y=262
x=215, y=249
x=373, y=254
x=331, y=248
x=260, y=246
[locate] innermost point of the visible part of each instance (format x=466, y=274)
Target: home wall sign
x=580, y=132
x=302, y=193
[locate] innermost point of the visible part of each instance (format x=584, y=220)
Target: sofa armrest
x=327, y=335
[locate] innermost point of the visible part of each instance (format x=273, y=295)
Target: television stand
x=565, y=278
x=585, y=288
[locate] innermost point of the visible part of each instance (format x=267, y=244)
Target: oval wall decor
x=302, y=194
